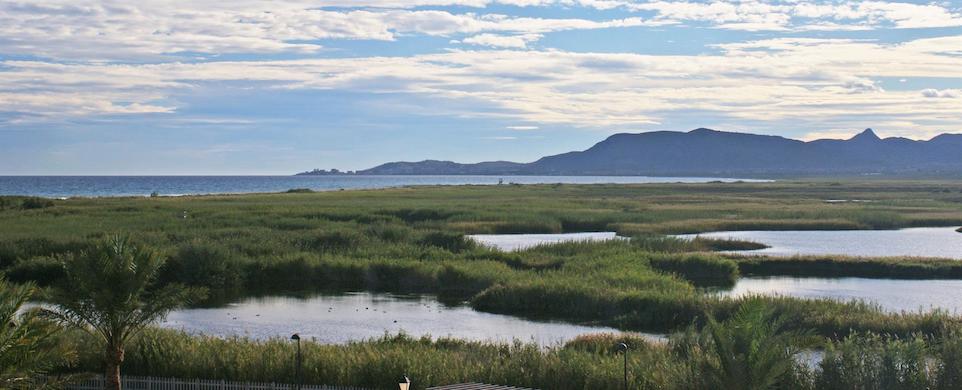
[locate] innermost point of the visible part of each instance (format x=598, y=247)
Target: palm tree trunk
x=115, y=356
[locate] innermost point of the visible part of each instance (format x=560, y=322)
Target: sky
x=275, y=87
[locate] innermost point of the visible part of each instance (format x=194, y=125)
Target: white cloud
x=944, y=93
x=814, y=83
x=831, y=83
x=505, y=41
x=755, y=15
x=151, y=29
x=522, y=128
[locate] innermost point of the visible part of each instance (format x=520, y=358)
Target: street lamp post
x=624, y=348
x=297, y=369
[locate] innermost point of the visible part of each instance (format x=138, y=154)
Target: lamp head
x=622, y=347
x=405, y=383
x=295, y=336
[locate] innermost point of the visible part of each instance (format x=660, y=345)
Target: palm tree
x=753, y=350
x=29, y=346
x=110, y=291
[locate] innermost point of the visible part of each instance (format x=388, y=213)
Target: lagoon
x=514, y=242
x=943, y=242
x=892, y=295
x=343, y=318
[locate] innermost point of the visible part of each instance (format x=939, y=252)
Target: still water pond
x=891, y=294
x=920, y=242
x=338, y=319
x=513, y=242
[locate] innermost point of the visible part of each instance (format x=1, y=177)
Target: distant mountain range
x=711, y=153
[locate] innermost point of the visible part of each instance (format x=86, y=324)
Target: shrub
x=607, y=343
x=841, y=266
x=43, y=271
x=420, y=215
x=726, y=244
x=34, y=203
x=453, y=242
x=949, y=368
x=300, y=191
x=12, y=251
x=754, y=349
x=700, y=269
x=335, y=241
x=467, y=280
x=573, y=224
x=388, y=232
x=658, y=243
x=653, y=243
x=204, y=264
x=873, y=362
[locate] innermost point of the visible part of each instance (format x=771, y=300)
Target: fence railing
x=151, y=383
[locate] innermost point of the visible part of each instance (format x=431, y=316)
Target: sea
x=112, y=186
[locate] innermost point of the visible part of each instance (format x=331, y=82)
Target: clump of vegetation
x=300, y=191
x=335, y=241
x=451, y=242
x=34, y=203
x=110, y=292
x=700, y=269
x=842, y=266
x=726, y=244
x=388, y=232
x=11, y=252
x=608, y=343
x=753, y=349
x=871, y=361
x=203, y=264
x=661, y=243
x=420, y=214
x=29, y=344
x=24, y=203
x=42, y=270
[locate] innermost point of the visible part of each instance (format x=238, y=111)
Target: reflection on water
x=339, y=319
x=920, y=242
x=891, y=294
x=513, y=242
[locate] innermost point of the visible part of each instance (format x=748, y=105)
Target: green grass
x=861, y=361
x=842, y=266
x=411, y=240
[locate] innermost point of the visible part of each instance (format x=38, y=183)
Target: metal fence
x=150, y=383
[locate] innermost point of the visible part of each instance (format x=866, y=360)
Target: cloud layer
x=68, y=59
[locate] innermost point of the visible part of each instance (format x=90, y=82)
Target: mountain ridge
x=708, y=152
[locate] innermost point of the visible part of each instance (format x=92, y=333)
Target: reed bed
x=843, y=266
x=858, y=361
x=412, y=240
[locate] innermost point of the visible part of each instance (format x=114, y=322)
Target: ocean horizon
x=117, y=186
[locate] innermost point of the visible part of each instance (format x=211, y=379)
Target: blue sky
x=262, y=87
